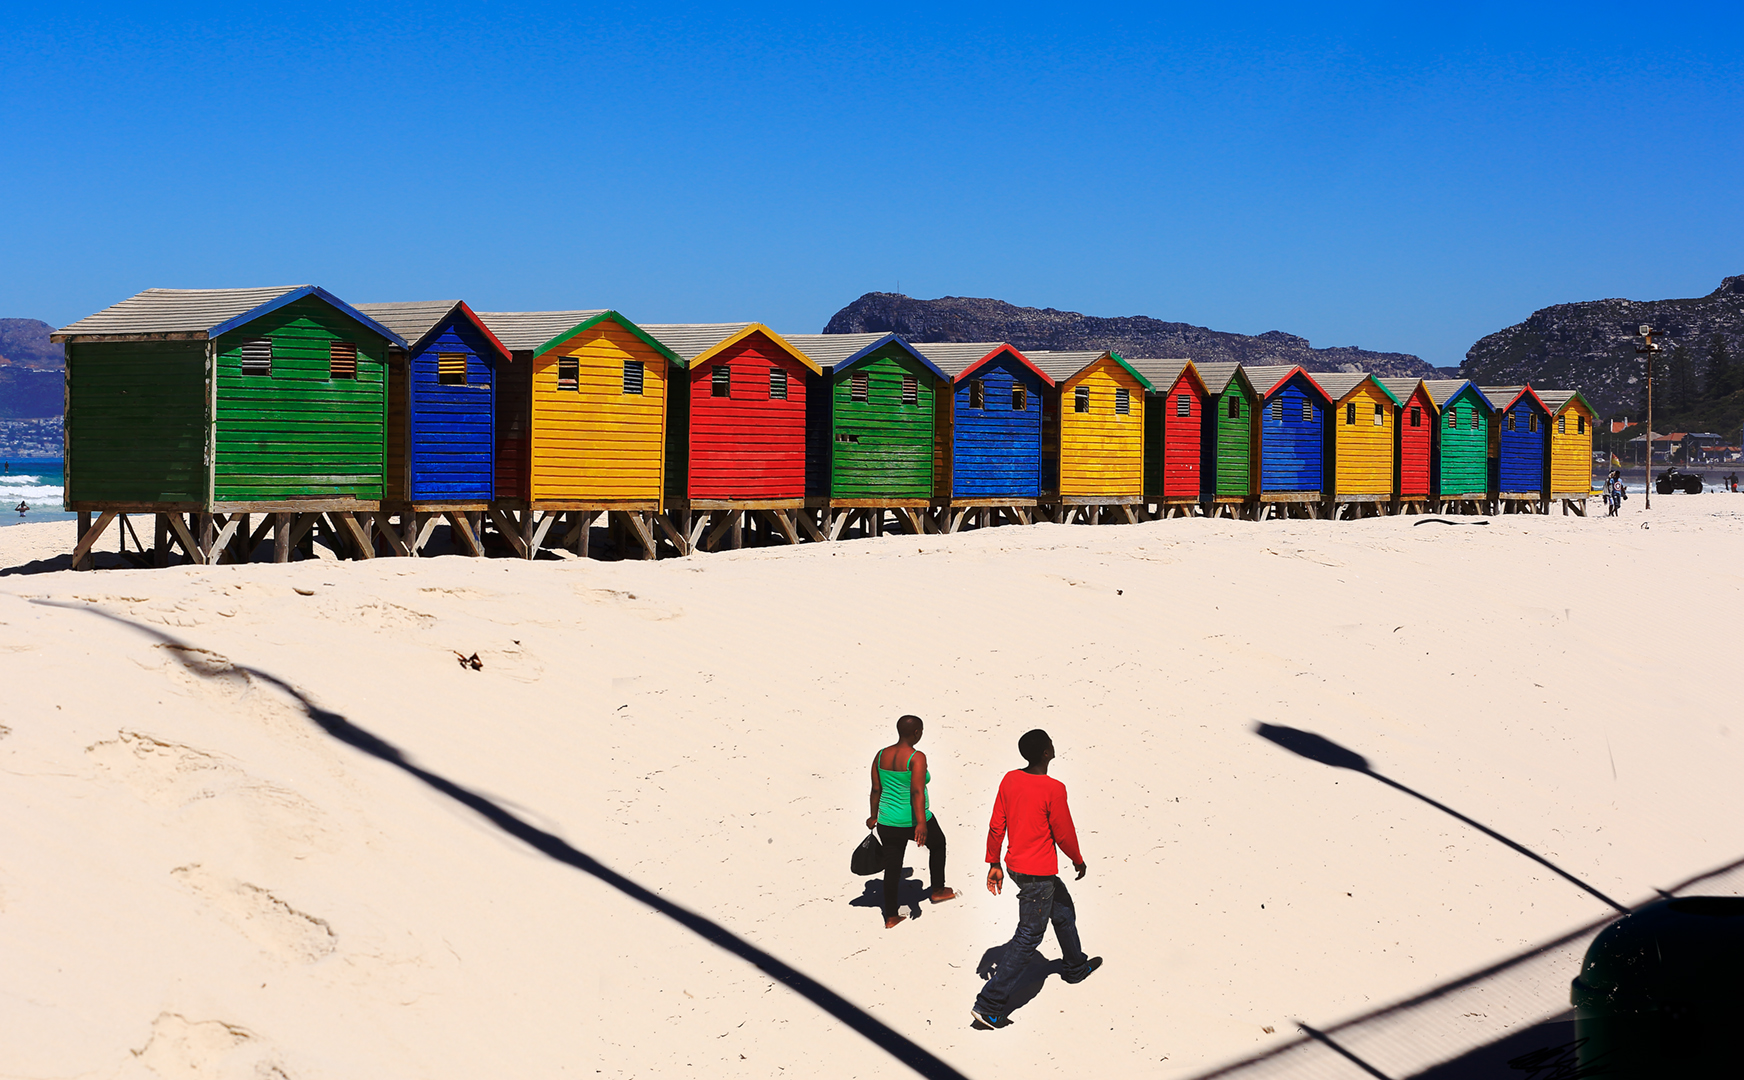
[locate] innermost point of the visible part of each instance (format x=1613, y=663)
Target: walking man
x=1031, y=809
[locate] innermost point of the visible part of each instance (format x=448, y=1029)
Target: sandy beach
x=210, y=875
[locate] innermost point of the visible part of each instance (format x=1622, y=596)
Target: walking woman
x=901, y=809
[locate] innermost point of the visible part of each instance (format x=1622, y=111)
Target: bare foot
x=944, y=894
x=890, y=924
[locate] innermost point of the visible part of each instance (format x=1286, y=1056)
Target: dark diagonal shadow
x=885, y=1038
x=1326, y=752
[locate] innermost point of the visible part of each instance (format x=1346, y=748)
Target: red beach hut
x=1416, y=430
x=1175, y=414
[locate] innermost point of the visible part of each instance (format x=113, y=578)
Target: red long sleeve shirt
x=1032, y=810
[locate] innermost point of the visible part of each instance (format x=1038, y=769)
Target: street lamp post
x=1647, y=348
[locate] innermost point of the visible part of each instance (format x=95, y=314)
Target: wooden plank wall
x=1233, y=442
x=452, y=431
x=1521, y=457
x=1571, y=450
x=597, y=442
x=747, y=446
x=396, y=484
x=883, y=449
x=1292, y=450
x=298, y=432
x=136, y=421
x=514, y=425
x=1416, y=436
x=1364, y=441
x=1183, y=439
x=997, y=450
x=1101, y=452
x=1462, y=446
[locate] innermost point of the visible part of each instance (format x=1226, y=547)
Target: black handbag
x=869, y=856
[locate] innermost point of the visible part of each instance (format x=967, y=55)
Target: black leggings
x=895, y=839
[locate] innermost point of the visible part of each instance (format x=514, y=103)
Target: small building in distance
x=1462, y=446
x=1092, y=435
x=735, y=434
x=441, y=445
x=581, y=419
x=1232, y=444
x=1293, y=441
x=205, y=407
x=1521, y=477
x=1414, y=446
x=874, y=443
x=1571, y=449
x=992, y=433
x=1363, y=433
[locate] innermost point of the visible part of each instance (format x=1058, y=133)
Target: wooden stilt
x=160, y=541
x=282, y=537
x=89, y=535
x=460, y=526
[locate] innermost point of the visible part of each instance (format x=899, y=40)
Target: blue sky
x=1357, y=175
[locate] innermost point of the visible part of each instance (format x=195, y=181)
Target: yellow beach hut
x=1365, y=415
x=581, y=428
x=1571, y=448
x=1092, y=435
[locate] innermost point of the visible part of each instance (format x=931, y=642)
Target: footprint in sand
x=275, y=926
x=183, y=1049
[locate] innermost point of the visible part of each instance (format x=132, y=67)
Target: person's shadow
x=909, y=893
x=1029, y=984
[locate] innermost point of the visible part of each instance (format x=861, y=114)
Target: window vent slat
x=859, y=386
x=1019, y=397
x=341, y=360
x=721, y=381
x=1183, y=405
x=451, y=368
x=633, y=377
x=1122, y=401
x=1081, y=399
x=257, y=357
x=569, y=373
x=777, y=384
x=910, y=390
x=977, y=393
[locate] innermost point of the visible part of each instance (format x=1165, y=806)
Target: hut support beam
x=676, y=535
x=346, y=525
x=509, y=530
x=461, y=529
x=89, y=535
x=810, y=527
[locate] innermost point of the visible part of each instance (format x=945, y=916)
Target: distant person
x=22, y=507
x=1615, y=492
x=1031, y=809
x=901, y=810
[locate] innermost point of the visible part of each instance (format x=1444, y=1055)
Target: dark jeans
x=1040, y=900
x=895, y=839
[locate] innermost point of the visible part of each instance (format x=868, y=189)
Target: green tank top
x=896, y=795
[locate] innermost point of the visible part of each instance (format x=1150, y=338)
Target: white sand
x=198, y=882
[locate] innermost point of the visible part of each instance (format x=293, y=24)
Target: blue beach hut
x=993, y=425
x=1293, y=411
x=440, y=435
x=1522, y=450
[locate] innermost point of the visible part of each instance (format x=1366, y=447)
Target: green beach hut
x=1232, y=479
x=1461, y=468
x=205, y=407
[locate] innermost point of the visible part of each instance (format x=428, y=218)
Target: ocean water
x=36, y=483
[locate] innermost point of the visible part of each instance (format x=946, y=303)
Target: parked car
x=1675, y=479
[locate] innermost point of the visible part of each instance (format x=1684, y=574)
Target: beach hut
x=1231, y=478
x=1293, y=441
x=1092, y=435
x=1413, y=446
x=1363, y=431
x=1571, y=448
x=990, y=469
x=1177, y=414
x=1521, y=450
x=440, y=434
x=873, y=441
x=580, y=429
x=205, y=407
x=1461, y=471
x=735, y=435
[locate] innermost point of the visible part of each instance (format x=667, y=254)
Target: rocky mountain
x=30, y=370
x=1591, y=346
x=961, y=318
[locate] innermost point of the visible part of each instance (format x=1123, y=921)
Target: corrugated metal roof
x=1265, y=377
x=831, y=349
x=1338, y=383
x=1401, y=388
x=411, y=319
x=173, y=311
x=1218, y=376
x=956, y=357
x=691, y=340
x=1060, y=366
x=1161, y=373
x=524, y=331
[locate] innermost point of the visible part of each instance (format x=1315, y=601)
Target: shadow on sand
x=1030, y=983
x=909, y=893
x=885, y=1038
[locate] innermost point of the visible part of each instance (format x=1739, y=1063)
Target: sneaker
x=991, y=1020
x=1089, y=970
